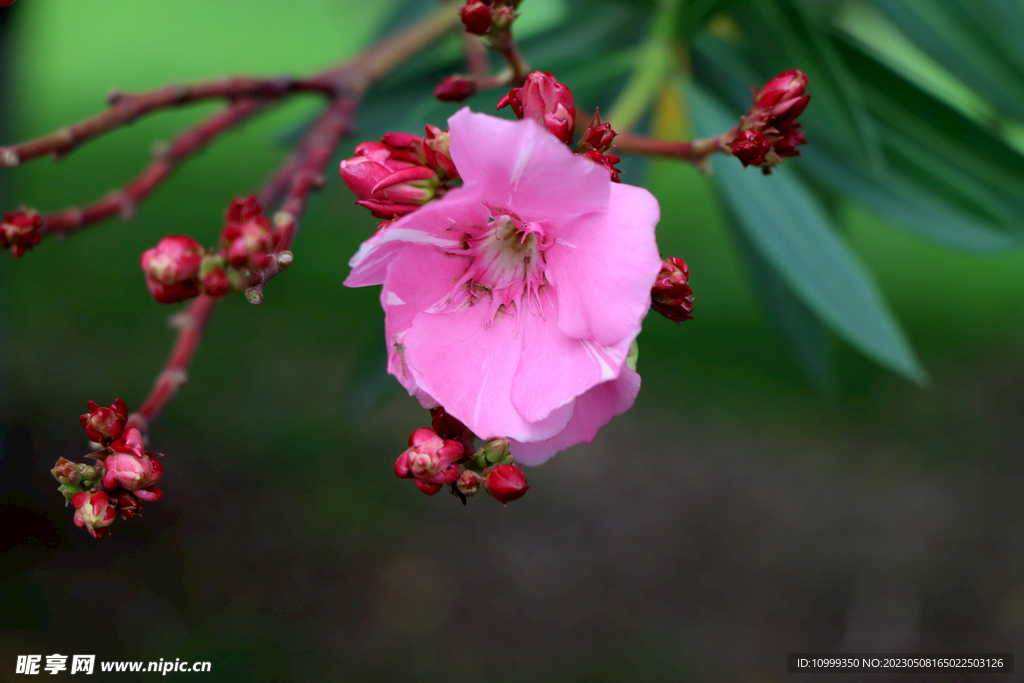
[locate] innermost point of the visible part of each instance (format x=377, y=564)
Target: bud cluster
x=19, y=231
x=401, y=173
x=769, y=130
x=489, y=17
x=672, y=295
x=437, y=457
x=123, y=475
x=596, y=141
x=180, y=268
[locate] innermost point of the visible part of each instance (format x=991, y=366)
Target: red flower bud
x=438, y=150
x=128, y=466
x=608, y=161
x=783, y=96
x=750, y=147
x=469, y=482
x=127, y=505
x=172, y=268
x=672, y=295
x=446, y=426
x=103, y=425
x=455, y=89
x=476, y=15
x=546, y=101
x=789, y=138
x=599, y=137
x=94, y=511
x=430, y=460
x=391, y=180
x=505, y=482
x=19, y=231
x=216, y=282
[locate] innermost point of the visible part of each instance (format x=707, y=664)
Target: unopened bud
x=672, y=295
x=469, y=482
x=476, y=16
x=497, y=451
x=506, y=483
x=455, y=89
x=172, y=268
x=19, y=231
x=127, y=505
x=546, y=101
x=750, y=147
x=103, y=425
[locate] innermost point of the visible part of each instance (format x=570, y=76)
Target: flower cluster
x=400, y=173
x=123, y=475
x=769, y=130
x=436, y=457
x=180, y=268
x=596, y=141
x=514, y=300
x=19, y=231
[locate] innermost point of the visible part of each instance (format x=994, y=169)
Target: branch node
x=126, y=205
x=9, y=158
x=284, y=259
x=254, y=296
x=116, y=96
x=180, y=92
x=161, y=150
x=283, y=219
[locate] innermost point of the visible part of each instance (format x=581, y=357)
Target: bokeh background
x=763, y=496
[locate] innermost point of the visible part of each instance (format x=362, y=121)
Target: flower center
x=507, y=264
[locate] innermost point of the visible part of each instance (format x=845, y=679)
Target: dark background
x=734, y=515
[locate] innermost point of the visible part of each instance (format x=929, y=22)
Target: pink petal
x=524, y=168
x=428, y=225
x=466, y=360
x=419, y=278
x=603, y=267
x=555, y=369
x=594, y=410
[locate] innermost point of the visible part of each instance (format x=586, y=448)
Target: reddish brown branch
x=304, y=172
x=124, y=201
x=191, y=324
x=126, y=108
x=694, y=152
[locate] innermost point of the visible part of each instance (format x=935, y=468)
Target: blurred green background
x=747, y=507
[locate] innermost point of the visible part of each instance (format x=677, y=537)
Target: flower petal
x=594, y=410
x=429, y=225
x=524, y=168
x=466, y=360
x=419, y=278
x=603, y=266
x=554, y=368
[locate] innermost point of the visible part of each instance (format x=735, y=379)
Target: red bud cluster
x=546, y=101
x=397, y=175
x=19, y=231
x=123, y=476
x=438, y=456
x=180, y=268
x=769, y=130
x=672, y=295
x=596, y=141
x=486, y=17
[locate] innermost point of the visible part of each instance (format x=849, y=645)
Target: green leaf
x=782, y=221
x=937, y=29
x=804, y=335
x=909, y=206
x=960, y=142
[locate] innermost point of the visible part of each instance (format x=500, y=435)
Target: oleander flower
x=513, y=301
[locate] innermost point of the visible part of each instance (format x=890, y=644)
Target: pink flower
x=513, y=300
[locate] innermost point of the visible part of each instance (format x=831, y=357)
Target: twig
x=191, y=324
x=124, y=201
x=127, y=108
